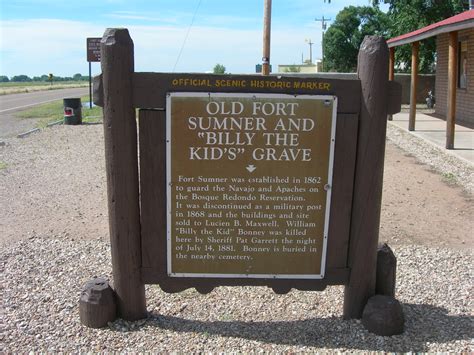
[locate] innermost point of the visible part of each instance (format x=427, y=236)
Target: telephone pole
x=267, y=20
x=324, y=24
x=310, y=50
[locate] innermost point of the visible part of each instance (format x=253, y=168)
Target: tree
x=219, y=69
x=410, y=15
x=20, y=78
x=344, y=37
x=4, y=79
x=293, y=69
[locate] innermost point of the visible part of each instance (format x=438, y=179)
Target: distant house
x=307, y=68
x=454, y=88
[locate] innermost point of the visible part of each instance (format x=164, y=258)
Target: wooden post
x=452, y=77
x=386, y=271
x=391, y=64
x=362, y=260
x=414, y=81
x=267, y=21
x=120, y=136
x=391, y=71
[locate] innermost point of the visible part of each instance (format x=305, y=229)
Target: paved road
x=10, y=104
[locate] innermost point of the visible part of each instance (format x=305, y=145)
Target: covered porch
x=454, y=78
x=433, y=131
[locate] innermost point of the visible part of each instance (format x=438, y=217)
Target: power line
x=187, y=34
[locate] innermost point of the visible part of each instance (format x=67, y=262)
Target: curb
x=27, y=133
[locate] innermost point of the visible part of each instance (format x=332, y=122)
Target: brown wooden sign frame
x=138, y=225
x=153, y=210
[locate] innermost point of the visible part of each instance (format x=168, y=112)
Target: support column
x=121, y=162
x=414, y=82
x=372, y=70
x=391, y=70
x=452, y=80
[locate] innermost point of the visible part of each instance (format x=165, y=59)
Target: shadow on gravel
x=424, y=324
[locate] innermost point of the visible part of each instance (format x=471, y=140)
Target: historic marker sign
x=249, y=184
x=232, y=187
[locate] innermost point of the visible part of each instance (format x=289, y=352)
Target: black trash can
x=72, y=111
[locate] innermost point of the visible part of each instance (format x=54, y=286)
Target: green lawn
x=41, y=83
x=53, y=111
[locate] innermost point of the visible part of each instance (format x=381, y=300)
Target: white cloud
x=35, y=47
x=143, y=16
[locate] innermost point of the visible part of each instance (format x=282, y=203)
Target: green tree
x=344, y=37
x=410, y=15
x=4, y=79
x=293, y=69
x=20, y=78
x=78, y=77
x=219, y=69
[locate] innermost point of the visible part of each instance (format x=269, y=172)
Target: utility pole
x=324, y=24
x=310, y=50
x=267, y=20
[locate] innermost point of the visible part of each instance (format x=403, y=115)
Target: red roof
x=455, y=23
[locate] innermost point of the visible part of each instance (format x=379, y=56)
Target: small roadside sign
x=93, y=49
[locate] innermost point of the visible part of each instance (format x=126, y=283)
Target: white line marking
x=24, y=106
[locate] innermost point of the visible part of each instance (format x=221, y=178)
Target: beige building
x=306, y=68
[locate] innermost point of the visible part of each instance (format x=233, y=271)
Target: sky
x=49, y=36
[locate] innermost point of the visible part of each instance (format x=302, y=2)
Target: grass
x=53, y=111
x=41, y=83
x=15, y=87
x=3, y=165
x=449, y=178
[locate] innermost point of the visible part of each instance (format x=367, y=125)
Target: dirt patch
x=54, y=183
x=420, y=206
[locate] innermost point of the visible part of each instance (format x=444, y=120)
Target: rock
x=97, y=305
x=386, y=271
x=383, y=315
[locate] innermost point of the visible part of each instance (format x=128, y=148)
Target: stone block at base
x=383, y=315
x=97, y=305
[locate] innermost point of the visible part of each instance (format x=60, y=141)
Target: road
x=10, y=104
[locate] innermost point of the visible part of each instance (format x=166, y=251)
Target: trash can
x=72, y=110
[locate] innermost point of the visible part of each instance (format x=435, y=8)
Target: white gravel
x=47, y=259
x=42, y=278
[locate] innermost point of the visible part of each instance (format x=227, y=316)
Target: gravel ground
x=448, y=165
x=41, y=278
x=53, y=233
